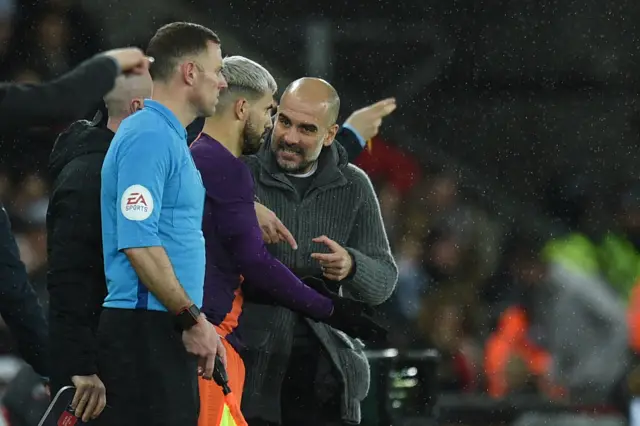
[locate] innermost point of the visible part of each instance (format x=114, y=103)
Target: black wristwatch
x=188, y=317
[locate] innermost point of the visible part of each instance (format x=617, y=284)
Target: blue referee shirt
x=152, y=195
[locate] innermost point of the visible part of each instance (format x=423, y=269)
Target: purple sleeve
x=229, y=188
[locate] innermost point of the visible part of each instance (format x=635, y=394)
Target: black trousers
x=150, y=377
x=311, y=391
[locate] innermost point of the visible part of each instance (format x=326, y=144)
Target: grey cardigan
x=341, y=204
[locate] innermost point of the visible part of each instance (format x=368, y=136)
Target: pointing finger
x=388, y=110
x=272, y=231
x=384, y=103
x=326, y=241
x=385, y=106
x=333, y=246
x=286, y=235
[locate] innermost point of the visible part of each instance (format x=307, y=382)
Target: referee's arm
x=68, y=98
x=144, y=162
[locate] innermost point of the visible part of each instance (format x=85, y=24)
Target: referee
x=151, y=334
x=75, y=278
x=67, y=98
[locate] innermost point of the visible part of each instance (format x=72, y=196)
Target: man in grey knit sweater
x=299, y=371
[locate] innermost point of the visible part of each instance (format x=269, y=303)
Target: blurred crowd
x=39, y=41
x=509, y=311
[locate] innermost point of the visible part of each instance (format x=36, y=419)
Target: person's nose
x=291, y=136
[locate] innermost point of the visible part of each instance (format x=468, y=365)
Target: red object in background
x=464, y=371
x=387, y=162
x=4, y=417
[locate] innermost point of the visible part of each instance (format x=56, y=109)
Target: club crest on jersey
x=136, y=203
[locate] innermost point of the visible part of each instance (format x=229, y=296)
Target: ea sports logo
x=135, y=199
x=136, y=203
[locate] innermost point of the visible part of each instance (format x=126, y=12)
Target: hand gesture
x=130, y=59
x=336, y=265
x=203, y=341
x=273, y=231
x=90, y=397
x=367, y=121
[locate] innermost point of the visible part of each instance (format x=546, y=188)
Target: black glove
x=350, y=316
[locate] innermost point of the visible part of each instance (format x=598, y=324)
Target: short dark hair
x=173, y=42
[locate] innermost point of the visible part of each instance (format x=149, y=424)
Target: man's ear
x=331, y=135
x=188, y=70
x=136, y=105
x=241, y=109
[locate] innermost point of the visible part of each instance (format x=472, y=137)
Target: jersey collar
x=168, y=115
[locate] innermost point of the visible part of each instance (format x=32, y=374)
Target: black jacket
x=350, y=143
x=67, y=98
x=19, y=304
x=75, y=278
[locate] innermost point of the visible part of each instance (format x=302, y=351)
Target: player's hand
x=273, y=231
x=90, y=397
x=203, y=341
x=130, y=59
x=367, y=121
x=336, y=265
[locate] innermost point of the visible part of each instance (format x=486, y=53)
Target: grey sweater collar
x=328, y=175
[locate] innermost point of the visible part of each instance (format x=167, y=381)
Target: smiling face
x=302, y=128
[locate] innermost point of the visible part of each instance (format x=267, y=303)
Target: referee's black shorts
x=150, y=378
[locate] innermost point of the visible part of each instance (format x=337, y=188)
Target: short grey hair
x=245, y=77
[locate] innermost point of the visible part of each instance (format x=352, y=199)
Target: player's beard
x=289, y=166
x=252, y=140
